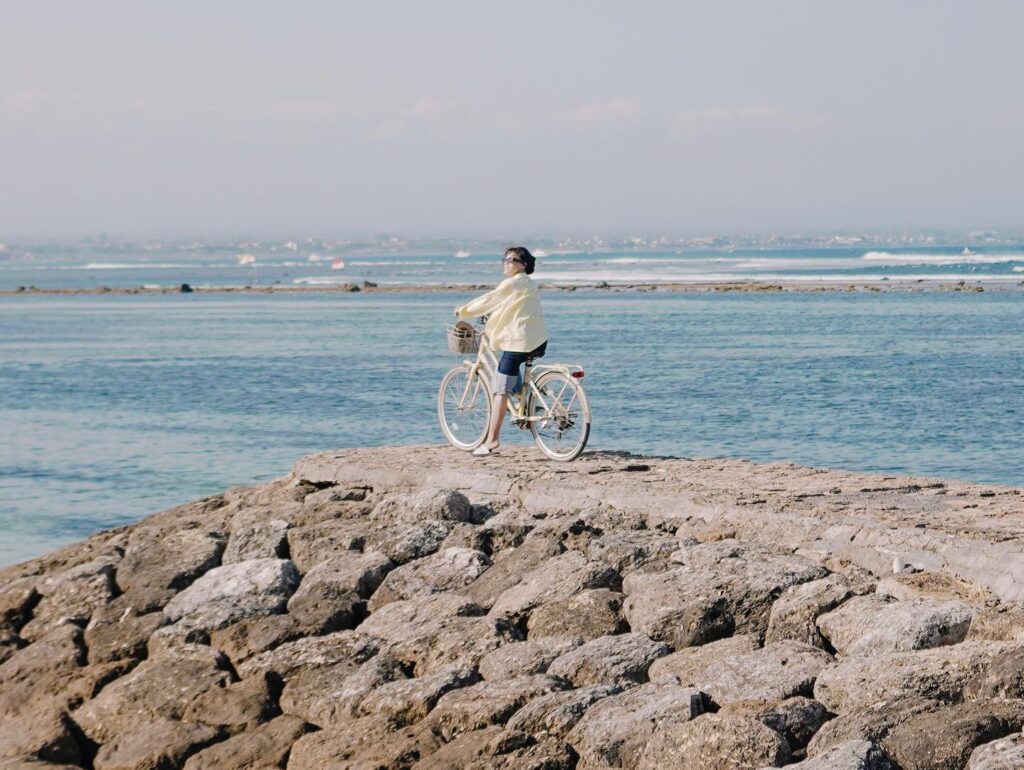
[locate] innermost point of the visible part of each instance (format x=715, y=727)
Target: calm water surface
x=115, y=407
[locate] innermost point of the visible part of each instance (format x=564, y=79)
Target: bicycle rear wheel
x=463, y=408
x=561, y=416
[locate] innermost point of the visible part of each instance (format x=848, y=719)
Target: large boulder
x=614, y=730
x=796, y=719
x=46, y=733
x=778, y=671
x=849, y=755
x=315, y=544
x=869, y=625
x=488, y=703
x=510, y=565
x=630, y=549
x=794, y=614
x=36, y=674
x=260, y=536
x=404, y=542
x=714, y=742
x=349, y=648
x=238, y=706
x=1003, y=678
x=1003, y=754
x=621, y=659
x=495, y=748
x=557, y=578
x=168, y=559
x=446, y=570
x=370, y=742
x=587, y=615
x=407, y=701
x=944, y=739
x=872, y=723
x=559, y=712
x=233, y=592
x=940, y=673
x=721, y=588
x=517, y=659
x=158, y=744
x=688, y=664
x=266, y=746
x=159, y=688
x=427, y=505
x=71, y=596
x=348, y=572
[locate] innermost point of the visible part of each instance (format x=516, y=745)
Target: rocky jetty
x=415, y=607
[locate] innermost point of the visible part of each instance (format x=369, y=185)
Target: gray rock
x=871, y=724
x=517, y=659
x=1003, y=678
x=160, y=688
x=230, y=593
x=238, y=706
x=941, y=674
x=587, y=615
x=614, y=730
x=407, y=701
x=869, y=625
x=559, y=712
x=446, y=570
x=944, y=739
x=510, y=566
x=621, y=659
x=262, y=538
x=1004, y=754
x=45, y=733
x=34, y=675
x=558, y=578
x=328, y=696
x=495, y=748
x=153, y=745
x=778, y=671
x=252, y=636
x=348, y=572
x=314, y=652
x=689, y=663
x=404, y=542
x=431, y=504
x=631, y=549
x=794, y=613
x=722, y=588
x=264, y=747
x=488, y=703
x=850, y=755
x=159, y=559
x=315, y=544
x=413, y=618
x=714, y=742
x=71, y=596
x=796, y=719
x=116, y=631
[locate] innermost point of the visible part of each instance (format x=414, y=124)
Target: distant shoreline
x=908, y=284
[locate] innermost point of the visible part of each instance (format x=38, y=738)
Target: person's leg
x=500, y=406
x=504, y=383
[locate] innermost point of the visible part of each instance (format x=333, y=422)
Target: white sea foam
x=129, y=266
x=889, y=258
x=390, y=263
x=1018, y=269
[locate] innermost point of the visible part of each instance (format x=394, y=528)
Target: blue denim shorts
x=508, y=379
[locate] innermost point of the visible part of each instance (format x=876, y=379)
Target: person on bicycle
x=515, y=327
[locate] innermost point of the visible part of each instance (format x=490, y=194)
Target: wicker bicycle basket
x=463, y=341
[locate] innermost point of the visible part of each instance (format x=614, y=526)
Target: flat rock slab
x=516, y=659
x=233, y=592
x=776, y=672
x=621, y=659
x=488, y=703
x=558, y=578
x=447, y=570
x=688, y=664
x=614, y=730
x=559, y=712
x=714, y=742
x=587, y=615
x=869, y=625
x=1003, y=754
x=850, y=755
x=941, y=674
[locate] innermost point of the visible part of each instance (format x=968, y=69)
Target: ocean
x=116, y=406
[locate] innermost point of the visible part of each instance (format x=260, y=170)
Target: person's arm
x=485, y=303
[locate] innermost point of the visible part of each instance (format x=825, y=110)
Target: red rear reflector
x=578, y=374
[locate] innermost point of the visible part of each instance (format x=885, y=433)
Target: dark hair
x=522, y=254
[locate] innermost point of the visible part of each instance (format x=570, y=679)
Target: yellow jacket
x=517, y=321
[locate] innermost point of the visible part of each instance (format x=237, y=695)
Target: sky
x=473, y=117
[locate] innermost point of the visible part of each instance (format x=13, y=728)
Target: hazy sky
x=511, y=118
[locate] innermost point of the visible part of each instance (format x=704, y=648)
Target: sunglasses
x=506, y=260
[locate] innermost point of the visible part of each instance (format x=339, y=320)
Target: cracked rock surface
x=413, y=607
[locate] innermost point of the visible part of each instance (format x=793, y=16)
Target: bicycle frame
x=486, y=365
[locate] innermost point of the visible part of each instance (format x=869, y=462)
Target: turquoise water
x=112, y=407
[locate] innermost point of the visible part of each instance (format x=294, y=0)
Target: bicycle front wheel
x=560, y=416
x=464, y=408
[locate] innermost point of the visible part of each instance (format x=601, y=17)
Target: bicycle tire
x=461, y=428
x=543, y=430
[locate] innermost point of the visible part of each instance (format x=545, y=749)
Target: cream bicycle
x=551, y=401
